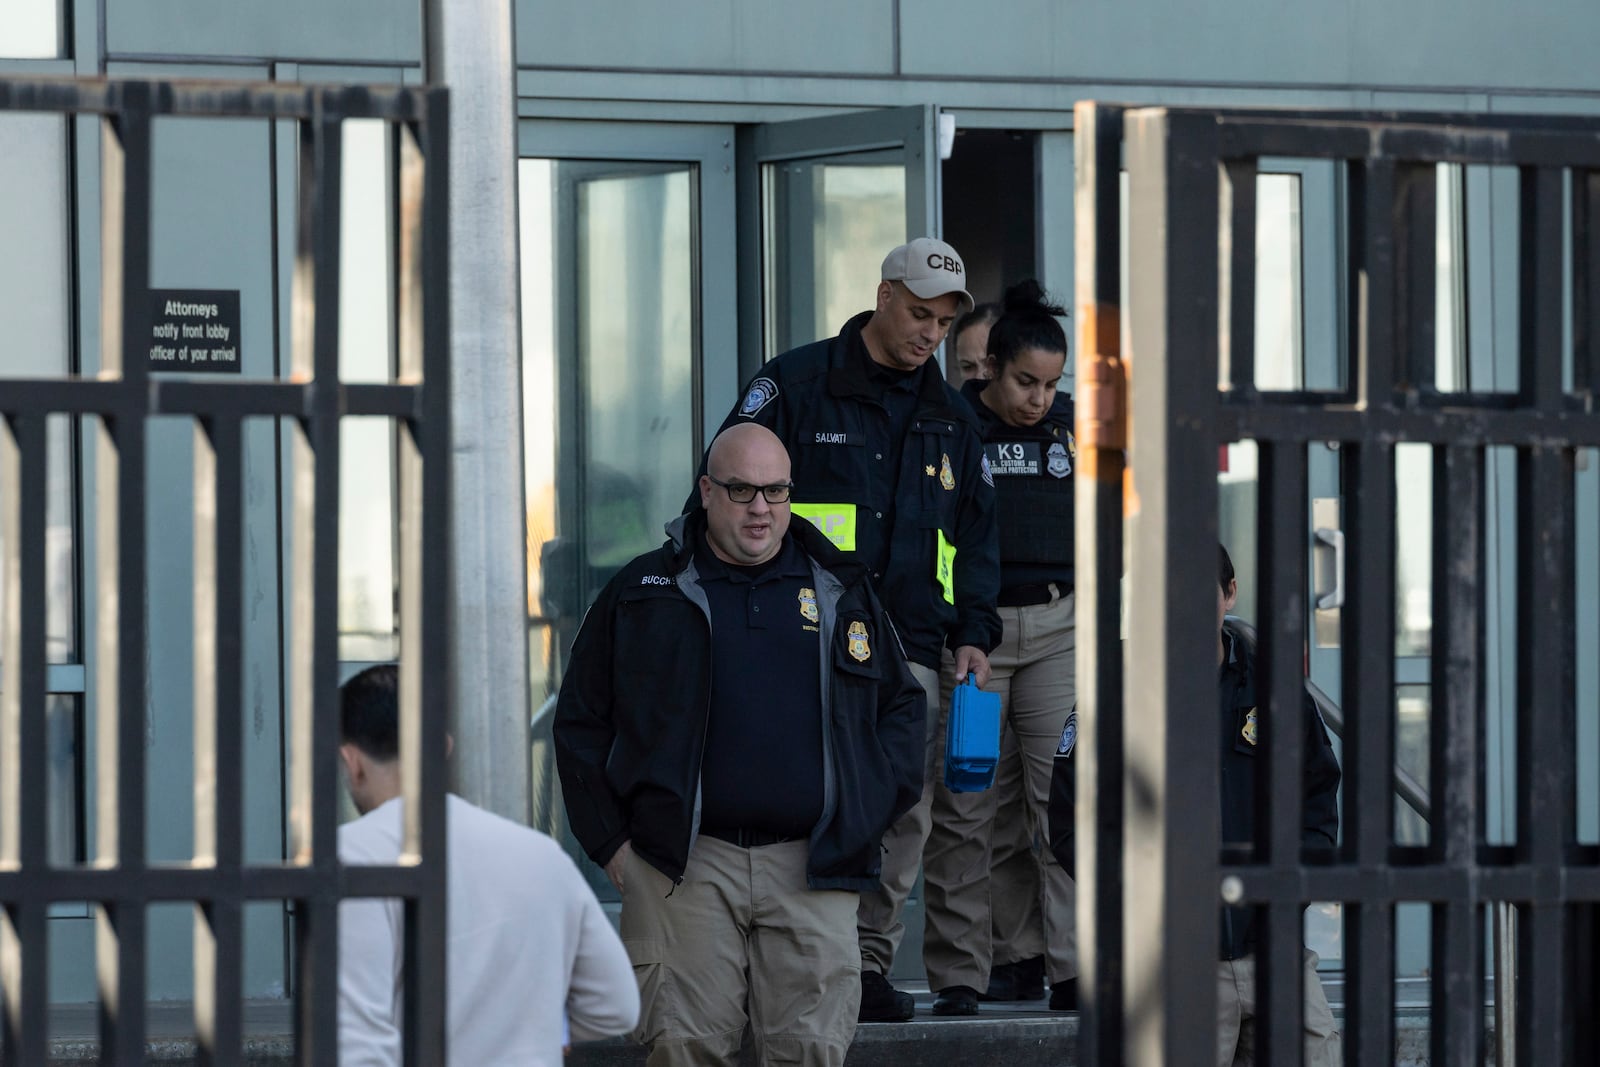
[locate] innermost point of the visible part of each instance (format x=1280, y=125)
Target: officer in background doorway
x=888, y=464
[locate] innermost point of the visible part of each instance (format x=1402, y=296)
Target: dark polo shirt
x=762, y=768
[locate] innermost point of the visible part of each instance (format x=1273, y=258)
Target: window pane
x=1450, y=281
x=1413, y=624
x=63, y=778
x=35, y=320
x=30, y=29
x=1413, y=706
x=366, y=460
x=827, y=225
x=1279, y=308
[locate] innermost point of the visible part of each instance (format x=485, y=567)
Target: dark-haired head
x=1029, y=320
x=369, y=712
x=1225, y=570
x=969, y=340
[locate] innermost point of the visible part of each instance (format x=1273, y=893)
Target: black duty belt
x=747, y=838
x=1024, y=596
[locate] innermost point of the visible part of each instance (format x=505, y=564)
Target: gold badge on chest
x=947, y=477
x=1248, y=732
x=808, y=604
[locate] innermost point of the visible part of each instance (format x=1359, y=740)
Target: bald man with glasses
x=737, y=728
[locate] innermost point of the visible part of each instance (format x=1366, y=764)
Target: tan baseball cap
x=929, y=268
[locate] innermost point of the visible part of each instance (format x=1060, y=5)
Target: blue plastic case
x=972, y=742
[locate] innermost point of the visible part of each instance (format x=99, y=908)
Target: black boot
x=1029, y=976
x=956, y=1000
x=1064, y=995
x=1002, y=983
x=882, y=1002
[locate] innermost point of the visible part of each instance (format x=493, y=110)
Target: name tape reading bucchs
x=195, y=331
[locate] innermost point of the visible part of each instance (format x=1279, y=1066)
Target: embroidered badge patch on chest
x=808, y=604
x=947, y=477
x=856, y=638
x=1056, y=461
x=1248, y=732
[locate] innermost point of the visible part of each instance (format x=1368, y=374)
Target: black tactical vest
x=1032, y=469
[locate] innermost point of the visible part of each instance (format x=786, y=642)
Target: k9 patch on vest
x=1013, y=458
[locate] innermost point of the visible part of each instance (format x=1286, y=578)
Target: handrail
x=1406, y=786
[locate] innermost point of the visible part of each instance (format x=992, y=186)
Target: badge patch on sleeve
x=762, y=391
x=1069, y=736
x=856, y=637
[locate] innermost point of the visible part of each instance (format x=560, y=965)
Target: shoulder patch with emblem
x=761, y=393
x=947, y=477
x=1069, y=736
x=856, y=642
x=1248, y=731
x=808, y=604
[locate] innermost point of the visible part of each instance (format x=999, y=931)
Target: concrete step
x=1025, y=1034
x=1001, y=1035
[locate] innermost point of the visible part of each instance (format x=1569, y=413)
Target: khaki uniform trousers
x=1015, y=889
x=740, y=940
x=1033, y=670
x=1236, y=1010
x=880, y=925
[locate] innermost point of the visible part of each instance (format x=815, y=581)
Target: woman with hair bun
x=1028, y=447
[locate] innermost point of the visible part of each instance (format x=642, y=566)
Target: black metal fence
x=1152, y=871
x=119, y=883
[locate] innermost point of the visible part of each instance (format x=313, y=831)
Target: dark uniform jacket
x=1239, y=722
x=938, y=508
x=630, y=722
x=1032, y=471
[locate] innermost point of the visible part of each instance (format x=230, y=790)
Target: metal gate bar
x=1191, y=175
x=121, y=884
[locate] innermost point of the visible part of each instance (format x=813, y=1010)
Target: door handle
x=1334, y=539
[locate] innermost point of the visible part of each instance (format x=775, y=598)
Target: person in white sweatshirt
x=530, y=953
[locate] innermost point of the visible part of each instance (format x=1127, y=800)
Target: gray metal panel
x=1371, y=42
x=836, y=36
x=379, y=31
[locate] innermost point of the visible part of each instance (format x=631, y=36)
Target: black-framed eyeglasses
x=740, y=493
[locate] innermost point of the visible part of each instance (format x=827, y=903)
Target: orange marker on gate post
x=1103, y=425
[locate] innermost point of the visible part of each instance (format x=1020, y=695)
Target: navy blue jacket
x=820, y=403
x=630, y=722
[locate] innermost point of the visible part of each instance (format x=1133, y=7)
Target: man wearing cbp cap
x=889, y=465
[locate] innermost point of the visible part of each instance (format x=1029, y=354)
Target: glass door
x=833, y=195
x=627, y=315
